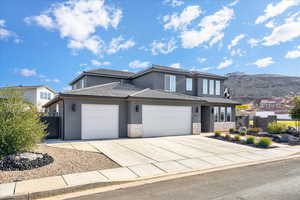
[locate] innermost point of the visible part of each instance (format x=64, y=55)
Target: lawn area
x=287, y=123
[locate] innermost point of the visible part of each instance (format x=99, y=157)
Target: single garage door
x=166, y=120
x=99, y=121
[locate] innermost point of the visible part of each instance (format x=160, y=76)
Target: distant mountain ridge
x=246, y=87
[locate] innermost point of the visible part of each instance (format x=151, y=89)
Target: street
x=271, y=181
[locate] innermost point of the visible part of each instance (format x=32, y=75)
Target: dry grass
x=66, y=161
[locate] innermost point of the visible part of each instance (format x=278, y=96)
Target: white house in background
x=37, y=95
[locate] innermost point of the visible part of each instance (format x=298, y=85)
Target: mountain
x=246, y=88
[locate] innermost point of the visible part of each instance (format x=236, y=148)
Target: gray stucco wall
x=96, y=80
x=145, y=81
x=72, y=129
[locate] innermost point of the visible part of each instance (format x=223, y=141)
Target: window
x=49, y=95
x=41, y=95
x=45, y=95
x=211, y=87
x=82, y=83
x=216, y=113
x=170, y=83
x=228, y=114
x=218, y=88
x=57, y=108
x=205, y=86
x=222, y=116
x=189, y=84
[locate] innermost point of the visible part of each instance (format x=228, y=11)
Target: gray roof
x=126, y=90
x=177, y=71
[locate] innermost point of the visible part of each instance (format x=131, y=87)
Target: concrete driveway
x=175, y=153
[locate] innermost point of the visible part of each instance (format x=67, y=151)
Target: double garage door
x=101, y=121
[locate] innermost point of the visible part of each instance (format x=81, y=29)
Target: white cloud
x=83, y=64
x=67, y=88
x=253, y=42
x=173, y=3
x=78, y=20
x=236, y=40
x=52, y=80
x=270, y=24
x=138, y=64
x=225, y=63
x=211, y=29
x=98, y=63
x=293, y=54
x=176, y=65
x=118, y=44
x=181, y=21
x=264, y=62
x=275, y=10
x=234, y=3
x=205, y=68
x=5, y=33
x=201, y=60
x=164, y=47
x=283, y=33
x=28, y=72
x=42, y=20
x=237, y=52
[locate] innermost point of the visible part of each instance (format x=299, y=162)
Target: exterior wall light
x=73, y=107
x=137, y=108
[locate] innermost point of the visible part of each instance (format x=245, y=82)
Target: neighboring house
x=157, y=101
x=37, y=95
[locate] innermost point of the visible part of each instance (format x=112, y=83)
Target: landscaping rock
x=24, y=161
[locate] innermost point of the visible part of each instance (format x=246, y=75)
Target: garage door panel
x=166, y=120
x=100, y=121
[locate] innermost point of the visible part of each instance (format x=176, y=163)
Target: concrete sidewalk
x=66, y=183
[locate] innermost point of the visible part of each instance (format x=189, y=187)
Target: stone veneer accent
x=135, y=130
x=196, y=129
x=223, y=126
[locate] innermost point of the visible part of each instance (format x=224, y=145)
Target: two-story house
x=157, y=101
x=37, y=95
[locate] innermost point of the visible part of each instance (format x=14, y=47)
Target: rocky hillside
x=246, y=87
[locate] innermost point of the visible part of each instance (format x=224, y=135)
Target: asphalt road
x=272, y=181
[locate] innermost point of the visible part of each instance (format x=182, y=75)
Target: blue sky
x=50, y=42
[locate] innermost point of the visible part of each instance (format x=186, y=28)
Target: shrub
x=217, y=133
x=250, y=140
x=231, y=130
x=276, y=128
x=253, y=130
x=264, y=142
x=243, y=133
x=20, y=126
x=237, y=138
x=227, y=137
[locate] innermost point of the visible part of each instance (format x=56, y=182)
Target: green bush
x=242, y=133
x=276, y=128
x=20, y=127
x=217, y=134
x=250, y=140
x=227, y=137
x=253, y=130
x=237, y=138
x=264, y=142
x=231, y=130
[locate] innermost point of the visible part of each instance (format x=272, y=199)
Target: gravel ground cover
x=66, y=161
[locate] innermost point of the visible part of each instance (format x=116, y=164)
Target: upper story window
x=189, y=84
x=45, y=95
x=228, y=114
x=205, y=86
x=170, y=83
x=218, y=87
x=211, y=87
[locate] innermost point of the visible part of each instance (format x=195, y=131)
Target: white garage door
x=99, y=121
x=166, y=120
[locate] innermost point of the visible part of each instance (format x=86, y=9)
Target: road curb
x=138, y=181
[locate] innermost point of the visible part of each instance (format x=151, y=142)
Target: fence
x=53, y=128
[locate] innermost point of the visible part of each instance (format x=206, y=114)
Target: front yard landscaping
x=66, y=161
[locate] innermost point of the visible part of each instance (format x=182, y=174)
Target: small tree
x=20, y=127
x=295, y=112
